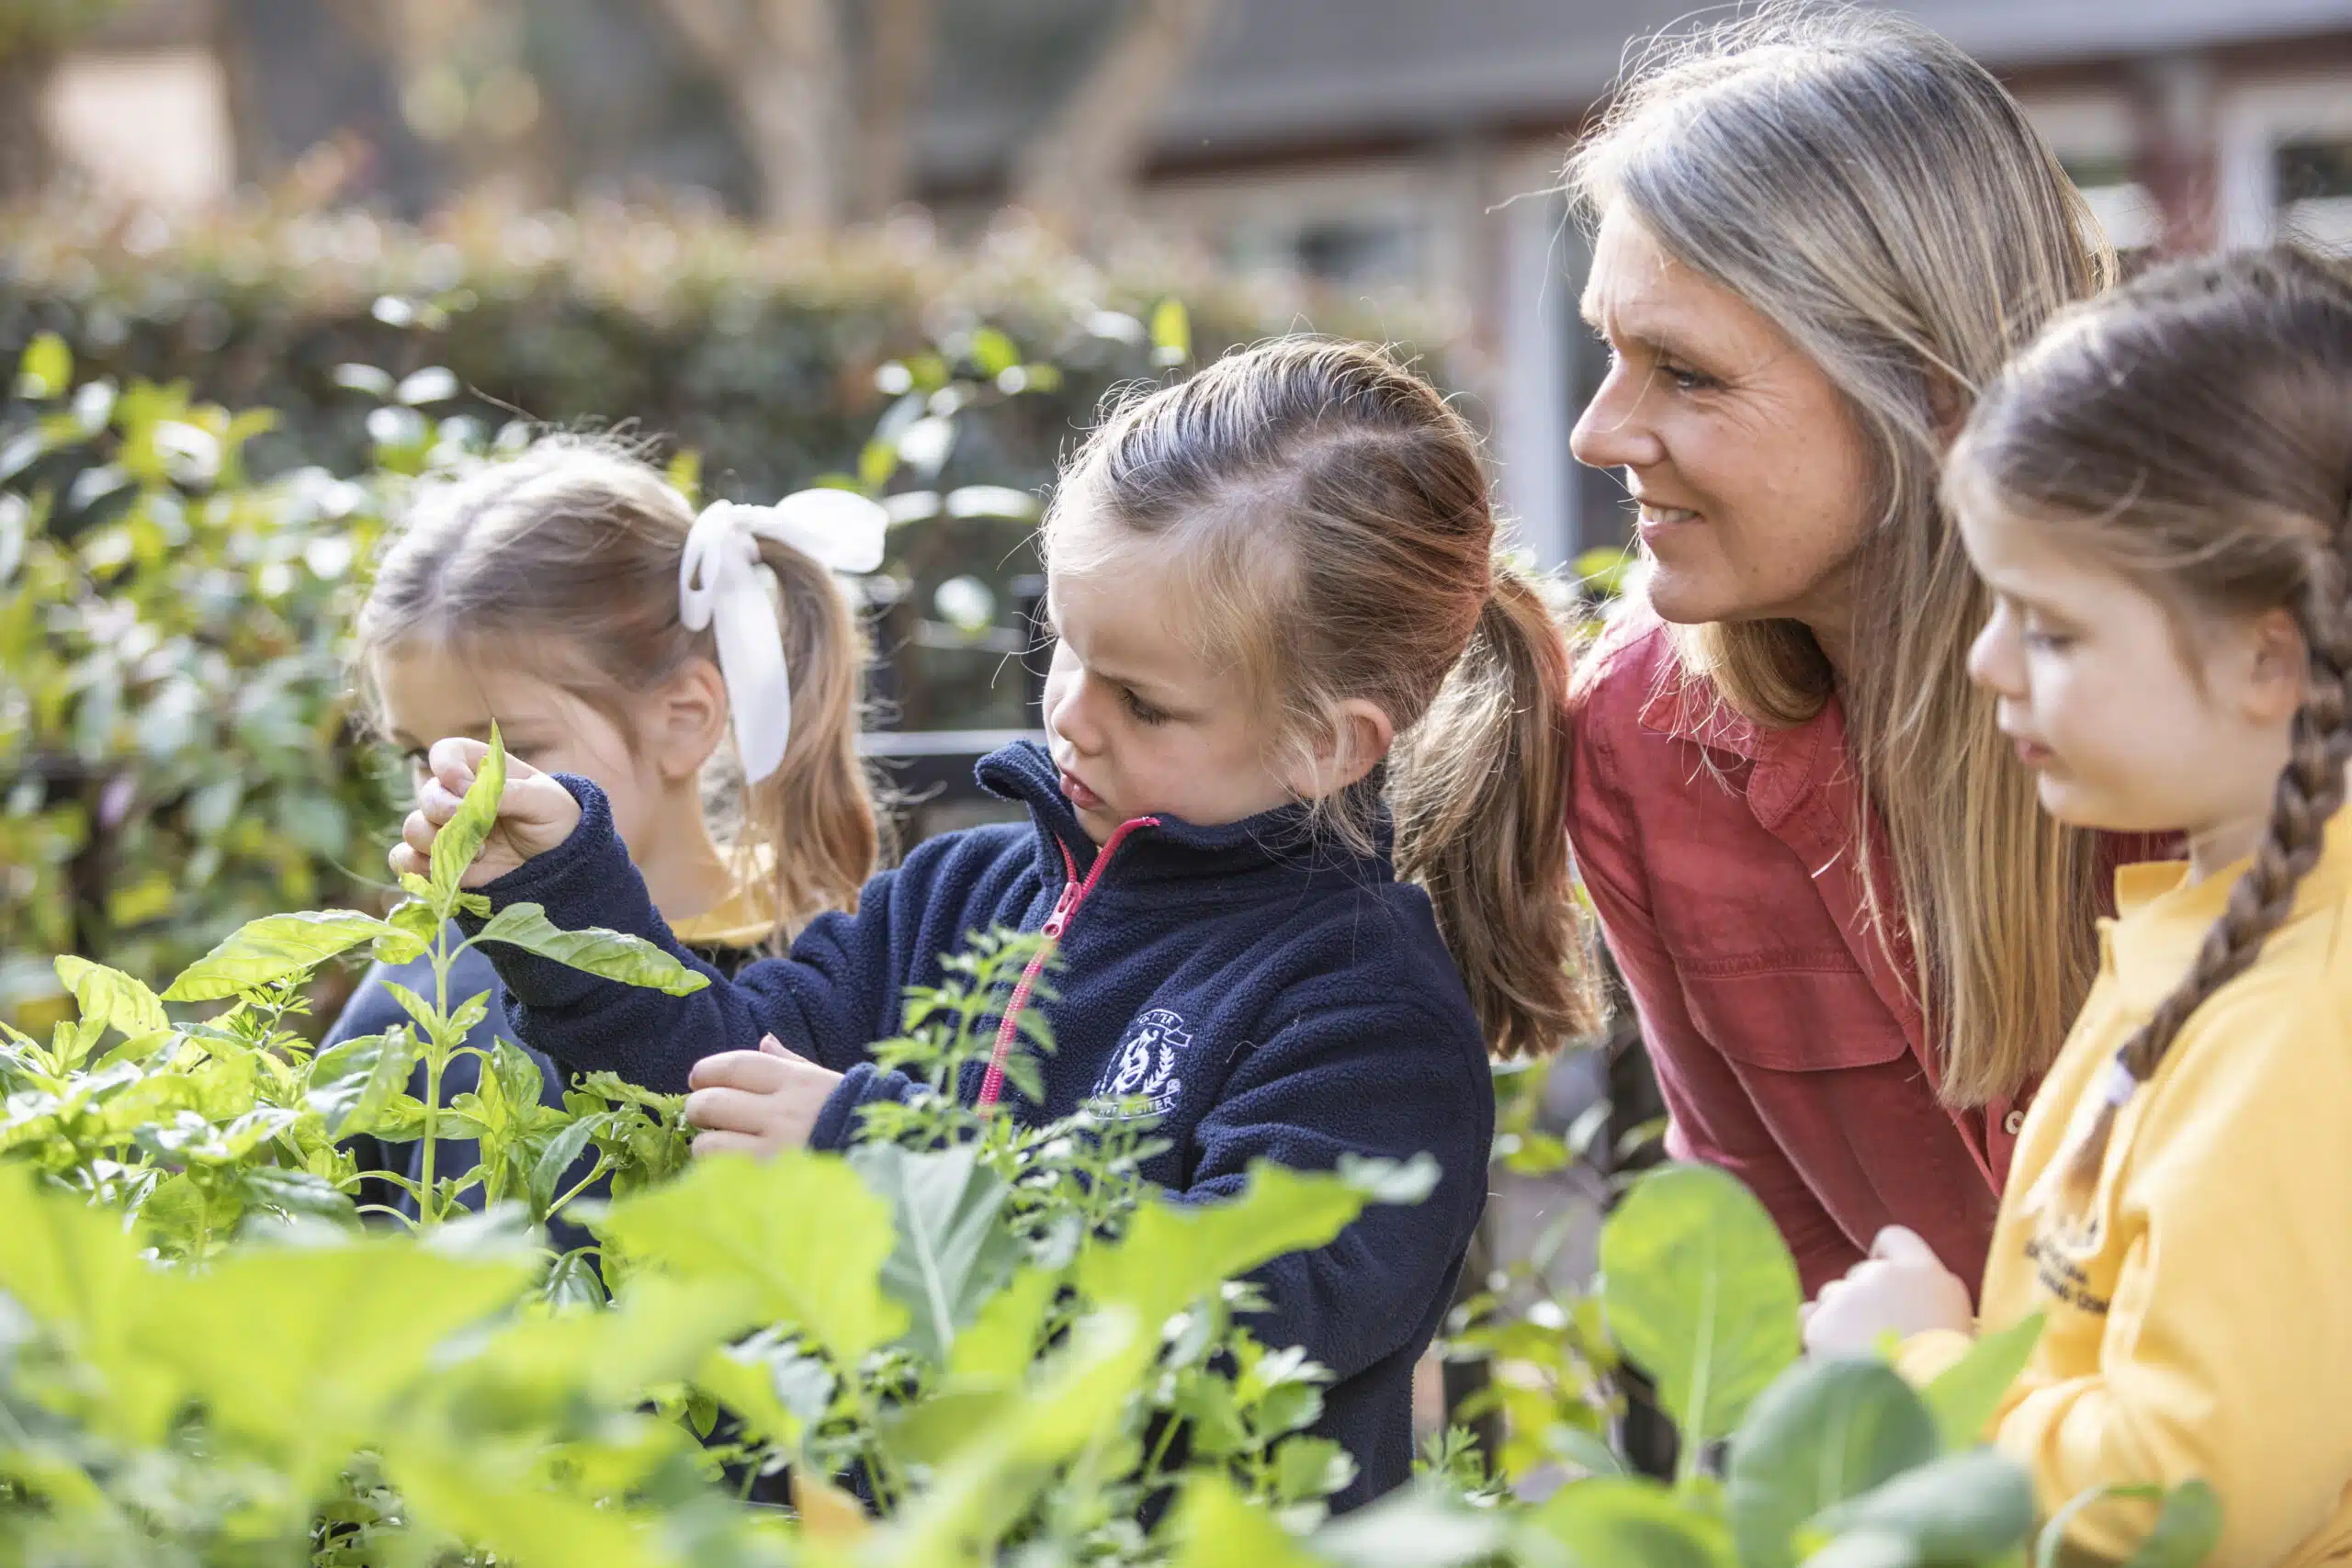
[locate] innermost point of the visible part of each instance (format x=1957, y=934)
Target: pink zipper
x=1065, y=910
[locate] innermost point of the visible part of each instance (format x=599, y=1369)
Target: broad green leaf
x=462, y=837
x=1174, y=1253
x=1965, y=1394
x=268, y=1338
x=1610, y=1520
x=1078, y=1394
x=1309, y=1468
x=414, y=926
x=1414, y=1526
x=572, y=1282
x=547, y=1170
x=657, y=1331
x=1824, y=1432
x=953, y=1255
x=800, y=1231
x=943, y=1425
x=353, y=1083
x=111, y=998
x=607, y=955
x=298, y=1193
x=1216, y=1527
x=76, y=1271
x=1869, y=1548
x=1964, y=1507
x=46, y=370
x=1002, y=1340
x=2187, y=1531
x=271, y=949
x=1701, y=1291
x=1587, y=1450
x=518, y=1076
x=505, y=1508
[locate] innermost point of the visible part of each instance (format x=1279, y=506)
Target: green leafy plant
x=174, y=752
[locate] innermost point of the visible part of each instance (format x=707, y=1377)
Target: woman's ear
x=685, y=720
x=1353, y=743
x=1948, y=403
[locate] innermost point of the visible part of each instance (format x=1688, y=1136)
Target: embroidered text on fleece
x=1272, y=995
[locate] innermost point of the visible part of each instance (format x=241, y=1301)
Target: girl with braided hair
x=2159, y=495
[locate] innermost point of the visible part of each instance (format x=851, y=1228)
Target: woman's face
x=1748, y=468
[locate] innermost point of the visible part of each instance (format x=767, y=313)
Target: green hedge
x=775, y=360
x=176, y=748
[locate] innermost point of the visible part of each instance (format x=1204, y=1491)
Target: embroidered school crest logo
x=1144, y=1066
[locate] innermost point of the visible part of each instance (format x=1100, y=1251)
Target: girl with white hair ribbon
x=575, y=599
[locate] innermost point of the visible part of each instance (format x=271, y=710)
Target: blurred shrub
x=175, y=756
x=882, y=358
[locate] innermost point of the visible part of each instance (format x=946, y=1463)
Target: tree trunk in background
x=899, y=35
x=1074, y=176
x=779, y=62
x=27, y=158
x=302, y=73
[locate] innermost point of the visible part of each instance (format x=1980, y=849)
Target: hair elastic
x=2118, y=1083
x=719, y=586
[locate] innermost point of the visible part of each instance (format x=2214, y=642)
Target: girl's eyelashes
x=2041, y=639
x=1142, y=712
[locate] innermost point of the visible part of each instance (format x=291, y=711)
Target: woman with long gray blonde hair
x=1853, y=942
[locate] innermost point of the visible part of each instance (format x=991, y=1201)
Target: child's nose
x=1067, y=717
x=1992, y=658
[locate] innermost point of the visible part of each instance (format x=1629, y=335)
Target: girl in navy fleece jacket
x=1298, y=837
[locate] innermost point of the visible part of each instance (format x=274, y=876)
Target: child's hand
x=1901, y=1289
x=535, y=815
x=756, y=1101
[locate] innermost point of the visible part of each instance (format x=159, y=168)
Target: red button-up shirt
x=1790, y=1047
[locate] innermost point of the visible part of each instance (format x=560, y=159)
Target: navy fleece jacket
x=1272, y=995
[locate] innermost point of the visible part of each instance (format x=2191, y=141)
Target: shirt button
x=2013, y=1123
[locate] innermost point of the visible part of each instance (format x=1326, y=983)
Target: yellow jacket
x=2199, y=1315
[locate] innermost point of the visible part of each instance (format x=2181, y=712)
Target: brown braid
x=2193, y=430
x=2311, y=789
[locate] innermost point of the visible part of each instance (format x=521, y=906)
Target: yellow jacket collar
x=745, y=920
x=2163, y=919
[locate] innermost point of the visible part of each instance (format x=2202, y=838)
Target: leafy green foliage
x=1700, y=1290
x=966, y=1342
x=175, y=752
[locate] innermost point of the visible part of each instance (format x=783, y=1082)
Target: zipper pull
x=1059, y=922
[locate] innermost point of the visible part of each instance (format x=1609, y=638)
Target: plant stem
x=436, y=1058
x=604, y=1163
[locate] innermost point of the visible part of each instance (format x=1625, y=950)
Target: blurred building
x=1390, y=147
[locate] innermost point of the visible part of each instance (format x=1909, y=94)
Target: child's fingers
x=709, y=1144
x=746, y=1070
x=417, y=833
x=752, y=1071
x=437, y=805
x=770, y=1046
x=1898, y=1244
x=406, y=862
x=452, y=762
x=728, y=1111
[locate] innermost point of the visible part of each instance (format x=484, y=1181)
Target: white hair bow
x=720, y=585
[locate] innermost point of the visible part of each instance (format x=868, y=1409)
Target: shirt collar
x=1789, y=764
x=2163, y=919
